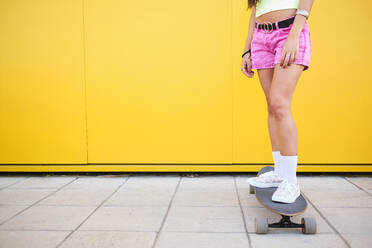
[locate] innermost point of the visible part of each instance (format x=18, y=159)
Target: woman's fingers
x=293, y=57
x=244, y=67
x=250, y=68
x=286, y=59
x=290, y=60
x=247, y=68
x=283, y=57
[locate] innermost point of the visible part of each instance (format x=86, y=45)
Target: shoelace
x=285, y=186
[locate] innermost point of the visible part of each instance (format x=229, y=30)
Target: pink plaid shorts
x=266, y=48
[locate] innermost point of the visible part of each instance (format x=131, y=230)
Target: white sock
x=277, y=162
x=289, y=165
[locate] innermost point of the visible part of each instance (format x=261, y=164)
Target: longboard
x=286, y=210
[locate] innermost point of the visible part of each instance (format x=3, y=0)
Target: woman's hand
x=247, y=65
x=289, y=51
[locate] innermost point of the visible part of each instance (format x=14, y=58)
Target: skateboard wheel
x=262, y=225
x=309, y=225
x=251, y=189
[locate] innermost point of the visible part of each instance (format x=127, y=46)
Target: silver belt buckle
x=268, y=27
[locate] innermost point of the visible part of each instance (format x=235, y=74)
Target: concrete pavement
x=169, y=210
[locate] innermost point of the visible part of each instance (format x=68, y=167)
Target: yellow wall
x=156, y=86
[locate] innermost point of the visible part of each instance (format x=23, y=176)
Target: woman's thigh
x=266, y=76
x=284, y=83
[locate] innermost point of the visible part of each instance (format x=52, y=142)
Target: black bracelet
x=248, y=51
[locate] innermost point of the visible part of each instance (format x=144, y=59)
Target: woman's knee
x=278, y=106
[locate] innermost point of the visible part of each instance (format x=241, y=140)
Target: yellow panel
x=176, y=168
x=164, y=86
x=332, y=105
x=159, y=81
x=42, y=109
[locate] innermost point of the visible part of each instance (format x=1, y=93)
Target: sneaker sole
x=285, y=200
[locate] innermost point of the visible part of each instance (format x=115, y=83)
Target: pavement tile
x=27, y=239
x=325, y=183
x=208, y=182
x=38, y=182
x=357, y=240
x=350, y=220
x=77, y=197
x=341, y=198
x=96, y=183
x=206, y=197
x=5, y=181
x=143, y=218
x=202, y=240
x=152, y=182
x=295, y=240
x=7, y=211
x=48, y=218
x=363, y=182
x=11, y=196
x=109, y=239
x=204, y=219
x=147, y=196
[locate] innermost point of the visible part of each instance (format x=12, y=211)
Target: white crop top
x=264, y=6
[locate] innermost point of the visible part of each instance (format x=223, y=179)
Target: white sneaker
x=286, y=192
x=265, y=180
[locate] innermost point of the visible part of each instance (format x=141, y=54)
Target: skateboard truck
x=308, y=225
x=286, y=222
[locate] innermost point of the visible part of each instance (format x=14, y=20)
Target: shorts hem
x=306, y=66
x=263, y=67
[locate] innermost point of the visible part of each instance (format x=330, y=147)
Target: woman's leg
x=280, y=98
x=266, y=78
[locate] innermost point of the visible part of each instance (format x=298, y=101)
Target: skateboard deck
x=264, y=195
x=286, y=210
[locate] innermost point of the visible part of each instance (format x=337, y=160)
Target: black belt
x=272, y=26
